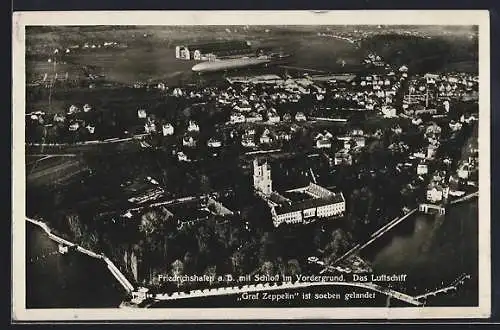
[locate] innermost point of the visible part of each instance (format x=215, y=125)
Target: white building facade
x=323, y=204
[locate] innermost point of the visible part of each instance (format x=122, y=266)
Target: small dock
x=432, y=208
x=65, y=246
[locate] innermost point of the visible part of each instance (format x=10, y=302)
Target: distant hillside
x=424, y=54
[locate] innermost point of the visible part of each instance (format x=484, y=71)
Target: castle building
x=303, y=205
x=262, y=178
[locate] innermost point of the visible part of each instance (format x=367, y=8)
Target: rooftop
x=220, y=46
x=297, y=196
x=310, y=203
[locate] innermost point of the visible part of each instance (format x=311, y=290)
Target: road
x=114, y=144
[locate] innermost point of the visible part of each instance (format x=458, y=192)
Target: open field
x=133, y=64
x=153, y=57
x=54, y=170
x=148, y=52
x=147, y=55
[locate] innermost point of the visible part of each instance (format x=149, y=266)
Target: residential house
x=150, y=126
x=59, y=118
x=87, y=108
x=359, y=141
x=431, y=151
x=455, y=126
x=397, y=129
x=285, y=136
x=343, y=157
x=91, y=129
x=236, y=118
x=243, y=106
x=327, y=135
x=167, y=129
x=436, y=193
x=318, y=136
x=388, y=112
x=419, y=155
x=323, y=140
x=181, y=156
x=422, y=169
x=299, y=116
x=467, y=119
x=193, y=127
x=189, y=141
x=73, y=109
x=265, y=138
x=463, y=172
x=272, y=116
x=378, y=134
x=248, y=141
x=446, y=105
x=416, y=121
x=433, y=129
x=248, y=138
x=357, y=132
x=287, y=117
x=214, y=143
x=323, y=143
x=254, y=117
x=141, y=114
x=73, y=127
x=177, y=92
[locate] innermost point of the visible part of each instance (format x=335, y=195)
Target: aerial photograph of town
x=251, y=166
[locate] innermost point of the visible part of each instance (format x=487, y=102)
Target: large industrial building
x=213, y=50
x=301, y=205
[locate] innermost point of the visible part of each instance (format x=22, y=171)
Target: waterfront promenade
x=287, y=285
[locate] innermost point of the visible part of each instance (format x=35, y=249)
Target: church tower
x=262, y=177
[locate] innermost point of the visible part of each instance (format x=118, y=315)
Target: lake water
x=73, y=280
x=430, y=251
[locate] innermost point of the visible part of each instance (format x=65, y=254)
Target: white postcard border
x=364, y=17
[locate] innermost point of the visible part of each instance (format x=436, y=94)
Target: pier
x=452, y=287
x=465, y=198
x=441, y=208
x=430, y=208
x=385, y=228
x=66, y=245
x=287, y=285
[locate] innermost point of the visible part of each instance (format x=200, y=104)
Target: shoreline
x=110, y=265
x=172, y=296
